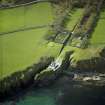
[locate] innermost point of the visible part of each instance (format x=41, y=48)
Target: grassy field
x=98, y=36
x=97, y=42
x=22, y=49
x=20, y=17
x=75, y=17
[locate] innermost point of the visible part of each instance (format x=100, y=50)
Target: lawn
x=25, y=16
x=22, y=49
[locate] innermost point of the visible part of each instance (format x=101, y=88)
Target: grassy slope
x=99, y=33
x=30, y=47
x=32, y=15
x=75, y=16
x=97, y=42
x=23, y=49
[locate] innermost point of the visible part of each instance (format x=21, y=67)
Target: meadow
x=26, y=16
x=75, y=17
x=98, y=36
x=21, y=49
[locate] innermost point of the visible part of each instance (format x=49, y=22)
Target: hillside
x=43, y=39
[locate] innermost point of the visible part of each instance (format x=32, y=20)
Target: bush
x=22, y=79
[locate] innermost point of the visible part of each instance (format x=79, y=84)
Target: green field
x=97, y=41
x=27, y=16
x=98, y=36
x=75, y=16
x=22, y=49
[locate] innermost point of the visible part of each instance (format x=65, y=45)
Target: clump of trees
x=76, y=3
x=7, y=3
x=62, y=14
x=22, y=79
